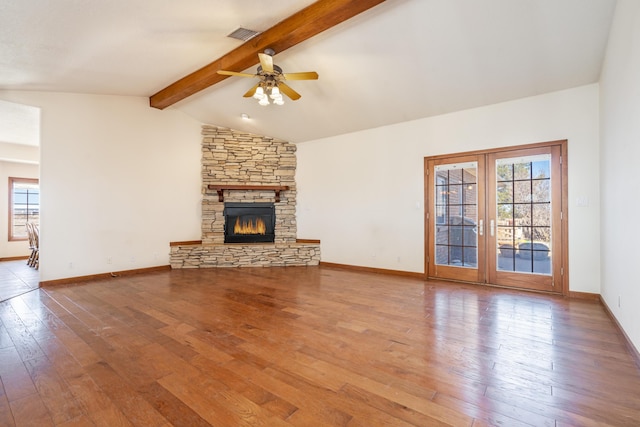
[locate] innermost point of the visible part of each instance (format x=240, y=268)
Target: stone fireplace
x=241, y=172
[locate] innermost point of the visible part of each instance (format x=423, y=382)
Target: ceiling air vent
x=243, y=34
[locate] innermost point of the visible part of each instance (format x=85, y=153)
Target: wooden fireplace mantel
x=220, y=189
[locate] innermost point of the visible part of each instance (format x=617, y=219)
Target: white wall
x=119, y=180
x=20, y=153
x=620, y=155
x=17, y=170
x=362, y=193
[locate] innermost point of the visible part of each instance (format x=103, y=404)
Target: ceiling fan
x=271, y=84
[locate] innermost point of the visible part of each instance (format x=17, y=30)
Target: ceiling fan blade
x=251, y=91
x=233, y=73
x=308, y=75
x=266, y=61
x=288, y=91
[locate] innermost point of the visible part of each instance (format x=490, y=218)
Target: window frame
x=10, y=216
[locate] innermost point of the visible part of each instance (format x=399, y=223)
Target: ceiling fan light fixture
x=271, y=77
x=259, y=93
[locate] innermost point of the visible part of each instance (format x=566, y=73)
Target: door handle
x=481, y=227
x=491, y=227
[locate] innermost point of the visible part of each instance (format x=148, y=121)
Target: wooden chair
x=36, y=238
x=33, y=235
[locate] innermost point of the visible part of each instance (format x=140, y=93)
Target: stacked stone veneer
x=238, y=158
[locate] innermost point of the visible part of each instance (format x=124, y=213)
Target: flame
x=250, y=227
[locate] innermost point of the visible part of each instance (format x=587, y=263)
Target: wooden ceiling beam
x=308, y=22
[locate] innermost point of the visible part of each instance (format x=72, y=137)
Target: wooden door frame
x=564, y=208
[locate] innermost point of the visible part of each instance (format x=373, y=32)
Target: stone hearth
x=249, y=164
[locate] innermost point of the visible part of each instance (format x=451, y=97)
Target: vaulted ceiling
x=400, y=60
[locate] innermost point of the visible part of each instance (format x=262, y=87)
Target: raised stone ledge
x=190, y=255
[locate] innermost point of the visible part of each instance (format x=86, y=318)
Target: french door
x=496, y=217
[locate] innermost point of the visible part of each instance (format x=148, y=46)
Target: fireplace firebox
x=249, y=222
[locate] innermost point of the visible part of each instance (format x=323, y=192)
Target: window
x=24, y=206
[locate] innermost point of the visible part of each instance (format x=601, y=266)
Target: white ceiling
x=401, y=60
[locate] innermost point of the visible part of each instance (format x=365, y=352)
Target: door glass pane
x=523, y=206
x=541, y=190
x=456, y=207
x=505, y=192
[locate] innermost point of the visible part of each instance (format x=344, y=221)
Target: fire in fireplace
x=249, y=222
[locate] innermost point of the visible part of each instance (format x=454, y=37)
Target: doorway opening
x=19, y=170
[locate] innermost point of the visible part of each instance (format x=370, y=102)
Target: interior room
x=145, y=125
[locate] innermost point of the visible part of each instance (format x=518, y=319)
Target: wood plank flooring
x=308, y=346
x=16, y=278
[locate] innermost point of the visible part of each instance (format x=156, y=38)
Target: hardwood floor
x=308, y=346
x=16, y=278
